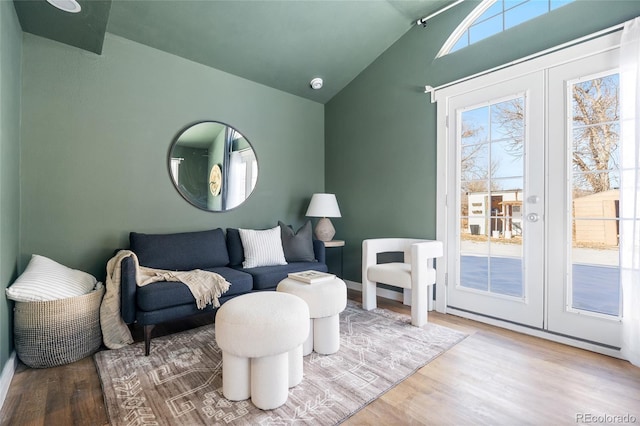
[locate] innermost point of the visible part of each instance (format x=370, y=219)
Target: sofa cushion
x=165, y=294
x=181, y=251
x=241, y=282
x=234, y=247
x=262, y=247
x=297, y=245
x=268, y=277
x=236, y=252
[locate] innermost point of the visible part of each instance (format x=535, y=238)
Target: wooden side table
x=337, y=244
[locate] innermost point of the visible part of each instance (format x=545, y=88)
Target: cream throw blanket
x=205, y=286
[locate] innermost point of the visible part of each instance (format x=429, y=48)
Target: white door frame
x=445, y=174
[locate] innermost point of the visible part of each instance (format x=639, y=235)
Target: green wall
x=380, y=130
x=96, y=131
x=10, y=53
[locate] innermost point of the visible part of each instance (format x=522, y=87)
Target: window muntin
x=494, y=16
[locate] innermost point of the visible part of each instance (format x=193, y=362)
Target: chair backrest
x=384, y=245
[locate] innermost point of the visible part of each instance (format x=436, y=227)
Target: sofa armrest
x=128, y=289
x=319, y=251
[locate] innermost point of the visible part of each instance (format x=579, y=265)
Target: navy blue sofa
x=207, y=250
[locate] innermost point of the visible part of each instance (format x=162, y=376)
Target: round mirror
x=213, y=166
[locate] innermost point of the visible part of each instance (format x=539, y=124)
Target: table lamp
x=324, y=206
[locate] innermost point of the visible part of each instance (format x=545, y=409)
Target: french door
x=498, y=150
x=583, y=217
x=531, y=205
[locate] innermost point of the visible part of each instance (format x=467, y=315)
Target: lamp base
x=324, y=230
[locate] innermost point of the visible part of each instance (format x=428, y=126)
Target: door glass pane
x=595, y=196
x=475, y=162
x=491, y=171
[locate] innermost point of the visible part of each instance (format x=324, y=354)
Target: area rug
x=180, y=382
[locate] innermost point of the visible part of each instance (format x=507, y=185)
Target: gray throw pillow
x=298, y=246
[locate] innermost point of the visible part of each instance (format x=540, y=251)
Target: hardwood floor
x=493, y=377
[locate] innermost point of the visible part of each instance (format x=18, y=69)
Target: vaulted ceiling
x=279, y=43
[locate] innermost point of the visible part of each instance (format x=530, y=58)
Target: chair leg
x=407, y=297
x=147, y=338
x=369, y=301
x=419, y=305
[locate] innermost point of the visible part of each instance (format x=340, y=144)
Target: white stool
x=326, y=299
x=261, y=335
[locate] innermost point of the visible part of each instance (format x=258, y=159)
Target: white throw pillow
x=262, y=248
x=45, y=279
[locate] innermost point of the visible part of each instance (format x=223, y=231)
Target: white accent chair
x=415, y=275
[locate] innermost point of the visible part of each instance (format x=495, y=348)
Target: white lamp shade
x=323, y=205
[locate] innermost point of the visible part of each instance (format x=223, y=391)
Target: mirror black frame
x=230, y=145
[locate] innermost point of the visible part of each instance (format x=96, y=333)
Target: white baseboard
x=565, y=340
x=381, y=292
x=7, y=376
x=398, y=296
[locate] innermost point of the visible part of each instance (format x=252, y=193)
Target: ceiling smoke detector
x=71, y=6
x=316, y=83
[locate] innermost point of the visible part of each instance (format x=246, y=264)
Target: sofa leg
x=147, y=338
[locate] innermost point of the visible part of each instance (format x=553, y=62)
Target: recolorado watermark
x=590, y=418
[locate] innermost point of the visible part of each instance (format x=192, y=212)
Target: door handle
x=533, y=217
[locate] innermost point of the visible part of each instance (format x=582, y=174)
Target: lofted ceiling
x=279, y=43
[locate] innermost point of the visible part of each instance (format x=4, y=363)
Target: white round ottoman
x=261, y=335
x=326, y=299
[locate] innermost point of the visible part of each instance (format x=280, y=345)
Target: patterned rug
x=180, y=382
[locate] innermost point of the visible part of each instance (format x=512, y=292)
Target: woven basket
x=57, y=332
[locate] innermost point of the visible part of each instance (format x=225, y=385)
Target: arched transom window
x=493, y=16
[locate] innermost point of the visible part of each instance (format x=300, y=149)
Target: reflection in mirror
x=213, y=166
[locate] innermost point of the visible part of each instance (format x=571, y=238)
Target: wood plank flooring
x=493, y=377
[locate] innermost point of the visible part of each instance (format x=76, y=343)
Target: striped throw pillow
x=45, y=279
x=262, y=248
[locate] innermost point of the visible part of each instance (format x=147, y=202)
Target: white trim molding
x=7, y=375
x=464, y=26
x=382, y=292
x=536, y=332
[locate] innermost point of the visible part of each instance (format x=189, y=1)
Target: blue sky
x=505, y=14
